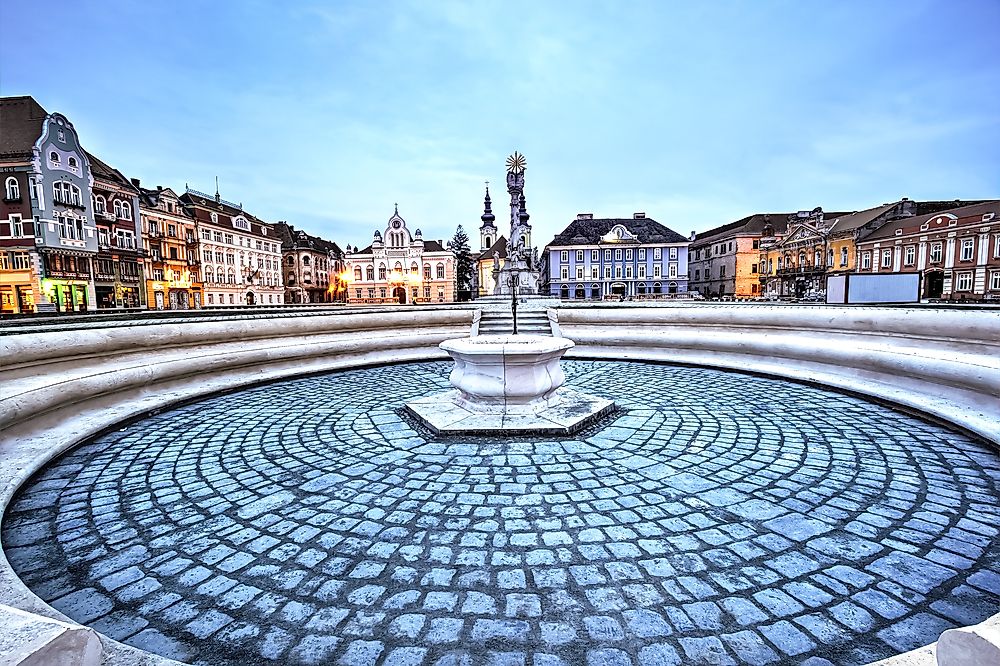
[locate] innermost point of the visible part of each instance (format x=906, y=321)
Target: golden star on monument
x=516, y=163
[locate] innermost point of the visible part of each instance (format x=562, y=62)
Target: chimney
x=638, y=216
x=135, y=181
x=584, y=216
x=693, y=235
x=159, y=188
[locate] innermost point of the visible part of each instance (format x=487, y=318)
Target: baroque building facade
x=312, y=266
x=616, y=258
x=400, y=267
x=725, y=261
x=118, y=267
x=956, y=252
x=240, y=254
x=48, y=238
x=172, y=249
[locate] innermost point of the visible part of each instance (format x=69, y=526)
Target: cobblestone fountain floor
x=719, y=519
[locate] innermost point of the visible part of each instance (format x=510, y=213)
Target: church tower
x=487, y=230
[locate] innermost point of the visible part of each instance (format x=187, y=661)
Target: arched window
x=370, y=273
x=802, y=259
x=398, y=268
x=580, y=292
x=100, y=205
x=641, y=289
x=414, y=268
x=13, y=190
x=564, y=292
x=440, y=271
x=489, y=242
x=357, y=274
x=595, y=291
x=72, y=162
x=305, y=260
x=54, y=156
x=291, y=260
x=232, y=276
x=672, y=288
x=427, y=271
x=381, y=271
x=126, y=211
x=118, y=208
x=209, y=275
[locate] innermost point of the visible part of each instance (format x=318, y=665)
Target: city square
x=499, y=334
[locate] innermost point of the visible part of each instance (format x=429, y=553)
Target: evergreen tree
x=464, y=268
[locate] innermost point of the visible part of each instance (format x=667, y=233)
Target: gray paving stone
x=318, y=527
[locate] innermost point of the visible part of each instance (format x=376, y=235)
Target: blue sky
x=698, y=113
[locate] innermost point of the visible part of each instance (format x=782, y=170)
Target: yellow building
x=725, y=262
x=173, y=278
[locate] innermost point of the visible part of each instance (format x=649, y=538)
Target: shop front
x=16, y=293
x=66, y=295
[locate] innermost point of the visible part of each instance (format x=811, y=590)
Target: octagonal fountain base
x=508, y=385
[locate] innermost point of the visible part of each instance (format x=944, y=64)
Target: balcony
x=192, y=241
x=801, y=270
x=154, y=234
x=104, y=215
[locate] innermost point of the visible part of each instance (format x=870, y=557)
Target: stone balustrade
x=59, y=388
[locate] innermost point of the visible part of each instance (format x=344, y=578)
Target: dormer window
x=215, y=217
x=241, y=223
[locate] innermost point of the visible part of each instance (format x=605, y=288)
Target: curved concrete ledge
x=59, y=388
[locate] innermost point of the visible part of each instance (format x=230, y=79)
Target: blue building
x=612, y=257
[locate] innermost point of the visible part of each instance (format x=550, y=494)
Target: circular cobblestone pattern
x=719, y=518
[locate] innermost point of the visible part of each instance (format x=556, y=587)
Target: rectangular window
x=618, y=272
x=843, y=256
x=756, y=246
x=564, y=273
x=911, y=255
x=206, y=234
x=657, y=253
x=4, y=261
x=697, y=274
x=996, y=245
x=886, y=258
x=628, y=255
x=656, y=270
x=673, y=252
x=579, y=255
x=564, y=256
x=217, y=236
x=618, y=254
x=753, y=268
x=595, y=273
x=642, y=254
x=16, y=226
x=722, y=271
x=579, y=272
x=595, y=255
x=21, y=261
x=157, y=273
x=964, y=282
x=967, y=247
x=995, y=281
x=672, y=270
x=172, y=230
x=229, y=239
x=935, y=253
x=628, y=271
x=642, y=271
x=607, y=272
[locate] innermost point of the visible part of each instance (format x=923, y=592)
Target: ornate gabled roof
x=912, y=224
x=104, y=171
x=590, y=231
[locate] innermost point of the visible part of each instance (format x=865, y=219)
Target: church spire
x=488, y=217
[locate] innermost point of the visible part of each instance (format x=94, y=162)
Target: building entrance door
x=399, y=293
x=159, y=300
x=933, y=284
x=618, y=289
x=251, y=299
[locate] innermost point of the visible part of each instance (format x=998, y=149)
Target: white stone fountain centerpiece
x=508, y=384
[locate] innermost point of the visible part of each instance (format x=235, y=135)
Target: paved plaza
x=717, y=518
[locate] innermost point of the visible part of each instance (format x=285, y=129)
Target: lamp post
x=513, y=281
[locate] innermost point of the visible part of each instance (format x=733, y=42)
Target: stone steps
x=501, y=323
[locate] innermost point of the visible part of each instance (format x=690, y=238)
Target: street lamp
x=513, y=281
